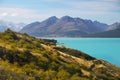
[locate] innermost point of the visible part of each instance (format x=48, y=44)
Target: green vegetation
x=23, y=57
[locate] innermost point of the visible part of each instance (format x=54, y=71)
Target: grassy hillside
x=23, y=57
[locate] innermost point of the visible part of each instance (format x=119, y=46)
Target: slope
x=23, y=57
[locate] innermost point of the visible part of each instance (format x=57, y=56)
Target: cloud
x=17, y=13
x=95, y=5
x=14, y=14
x=90, y=4
x=4, y=14
x=86, y=7
x=91, y=9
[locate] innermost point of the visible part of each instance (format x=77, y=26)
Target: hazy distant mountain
x=114, y=26
x=13, y=26
x=64, y=27
x=3, y=26
x=17, y=27
x=107, y=34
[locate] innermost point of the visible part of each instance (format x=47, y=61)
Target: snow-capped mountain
x=13, y=26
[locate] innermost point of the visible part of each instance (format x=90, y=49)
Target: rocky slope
x=23, y=57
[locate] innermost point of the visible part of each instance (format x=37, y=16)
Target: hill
x=23, y=57
x=107, y=34
x=114, y=26
x=65, y=26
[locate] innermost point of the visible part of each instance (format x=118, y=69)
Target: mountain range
x=4, y=25
x=66, y=26
x=63, y=27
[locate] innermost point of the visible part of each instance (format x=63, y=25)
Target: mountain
x=16, y=26
x=65, y=26
x=114, y=26
x=4, y=25
x=23, y=57
x=115, y=33
x=3, y=28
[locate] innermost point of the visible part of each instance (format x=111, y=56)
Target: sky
x=27, y=11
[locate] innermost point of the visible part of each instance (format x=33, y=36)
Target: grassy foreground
x=23, y=57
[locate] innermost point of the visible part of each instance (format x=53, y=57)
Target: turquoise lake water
x=102, y=48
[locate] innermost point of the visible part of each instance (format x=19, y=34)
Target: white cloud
x=14, y=14
x=94, y=5
x=4, y=14
x=90, y=5
x=77, y=8
x=16, y=11
x=18, y=14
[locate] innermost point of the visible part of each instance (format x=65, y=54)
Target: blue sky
x=106, y=11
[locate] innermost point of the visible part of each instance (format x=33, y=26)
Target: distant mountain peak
x=67, y=18
x=53, y=18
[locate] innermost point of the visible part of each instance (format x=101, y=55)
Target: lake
x=102, y=48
